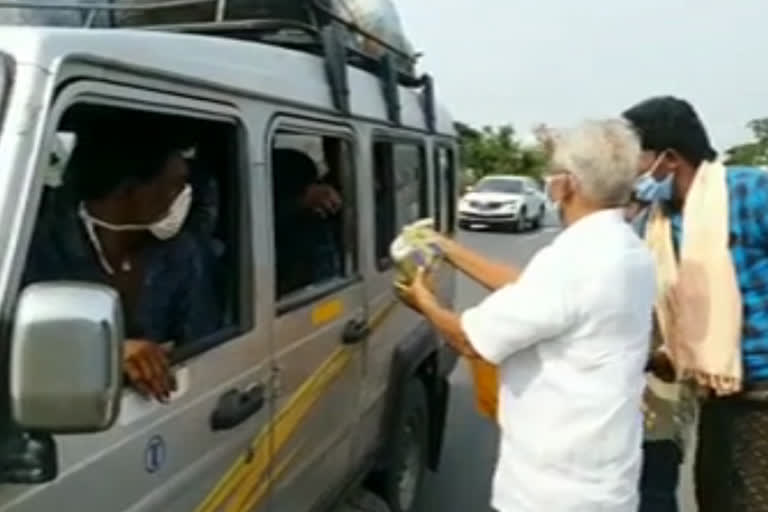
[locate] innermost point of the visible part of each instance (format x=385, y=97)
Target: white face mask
x=163, y=229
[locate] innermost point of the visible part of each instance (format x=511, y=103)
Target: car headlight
x=510, y=205
x=463, y=204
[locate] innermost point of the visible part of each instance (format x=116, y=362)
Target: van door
x=319, y=322
x=399, y=192
x=157, y=457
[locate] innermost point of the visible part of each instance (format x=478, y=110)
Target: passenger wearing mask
x=569, y=341
x=708, y=231
x=125, y=232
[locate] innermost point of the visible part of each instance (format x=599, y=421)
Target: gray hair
x=603, y=156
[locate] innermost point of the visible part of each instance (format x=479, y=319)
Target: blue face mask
x=649, y=189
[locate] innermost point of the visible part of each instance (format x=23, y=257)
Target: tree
x=496, y=150
x=751, y=153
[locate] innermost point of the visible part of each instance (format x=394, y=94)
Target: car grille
x=479, y=205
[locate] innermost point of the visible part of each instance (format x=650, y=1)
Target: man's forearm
x=448, y=324
x=491, y=274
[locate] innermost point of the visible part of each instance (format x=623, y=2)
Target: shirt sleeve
x=533, y=309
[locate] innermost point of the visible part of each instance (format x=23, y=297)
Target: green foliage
x=751, y=153
x=497, y=150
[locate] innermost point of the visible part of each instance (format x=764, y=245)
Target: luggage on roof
x=378, y=18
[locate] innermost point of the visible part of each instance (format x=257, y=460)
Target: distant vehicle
x=515, y=202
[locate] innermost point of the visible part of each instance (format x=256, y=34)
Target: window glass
x=150, y=205
x=400, y=190
x=313, y=211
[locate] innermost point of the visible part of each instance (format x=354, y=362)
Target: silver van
x=313, y=379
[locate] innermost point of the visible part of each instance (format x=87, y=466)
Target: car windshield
x=505, y=186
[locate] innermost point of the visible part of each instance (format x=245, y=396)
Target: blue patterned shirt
x=177, y=299
x=748, y=226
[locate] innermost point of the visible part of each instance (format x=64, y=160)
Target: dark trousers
x=660, y=476
x=732, y=456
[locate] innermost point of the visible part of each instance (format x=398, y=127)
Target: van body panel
x=327, y=402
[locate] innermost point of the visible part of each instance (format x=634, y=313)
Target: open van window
x=150, y=205
x=314, y=205
x=400, y=188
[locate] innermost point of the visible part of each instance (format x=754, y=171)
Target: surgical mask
x=163, y=229
x=649, y=189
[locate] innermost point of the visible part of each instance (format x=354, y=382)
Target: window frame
x=379, y=137
x=318, y=128
x=450, y=191
x=91, y=92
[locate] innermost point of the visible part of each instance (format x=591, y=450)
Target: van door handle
x=355, y=332
x=235, y=406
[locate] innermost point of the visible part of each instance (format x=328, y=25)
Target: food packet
x=415, y=247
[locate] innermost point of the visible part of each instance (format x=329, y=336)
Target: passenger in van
x=125, y=231
x=306, y=222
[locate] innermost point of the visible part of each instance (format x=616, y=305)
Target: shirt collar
x=590, y=224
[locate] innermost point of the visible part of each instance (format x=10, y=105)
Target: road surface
x=463, y=483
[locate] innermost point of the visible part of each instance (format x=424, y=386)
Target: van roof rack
x=313, y=27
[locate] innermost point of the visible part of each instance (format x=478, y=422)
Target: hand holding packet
x=414, y=248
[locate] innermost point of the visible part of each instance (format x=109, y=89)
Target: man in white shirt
x=569, y=334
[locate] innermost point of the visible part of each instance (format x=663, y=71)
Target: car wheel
x=521, y=224
x=466, y=226
x=402, y=482
x=539, y=220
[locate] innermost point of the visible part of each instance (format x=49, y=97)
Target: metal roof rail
x=91, y=10
x=326, y=36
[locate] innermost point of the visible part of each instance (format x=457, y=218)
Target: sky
x=560, y=61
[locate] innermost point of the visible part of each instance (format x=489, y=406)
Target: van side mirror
x=66, y=350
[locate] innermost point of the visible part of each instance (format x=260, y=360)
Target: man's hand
x=146, y=365
x=418, y=294
x=321, y=199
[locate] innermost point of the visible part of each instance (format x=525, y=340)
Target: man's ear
x=673, y=160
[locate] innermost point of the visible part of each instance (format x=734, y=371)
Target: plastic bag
x=486, y=378
x=380, y=18
x=414, y=248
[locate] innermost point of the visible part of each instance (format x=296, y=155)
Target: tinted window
x=314, y=211
x=400, y=189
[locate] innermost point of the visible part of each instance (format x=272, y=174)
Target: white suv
x=503, y=201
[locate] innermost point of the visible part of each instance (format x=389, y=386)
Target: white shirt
x=571, y=339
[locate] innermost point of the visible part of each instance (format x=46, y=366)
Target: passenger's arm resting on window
x=491, y=274
x=519, y=315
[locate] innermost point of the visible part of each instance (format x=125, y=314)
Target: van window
x=444, y=168
x=400, y=189
x=151, y=205
x=314, y=212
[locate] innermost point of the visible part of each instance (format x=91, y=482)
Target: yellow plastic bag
x=486, y=379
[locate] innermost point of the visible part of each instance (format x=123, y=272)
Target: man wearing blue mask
x=732, y=455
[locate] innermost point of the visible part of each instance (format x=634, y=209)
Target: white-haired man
x=570, y=341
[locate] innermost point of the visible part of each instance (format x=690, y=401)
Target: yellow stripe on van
x=246, y=474
x=247, y=481
x=327, y=312
x=265, y=484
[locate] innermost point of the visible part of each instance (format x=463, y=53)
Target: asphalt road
x=463, y=482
